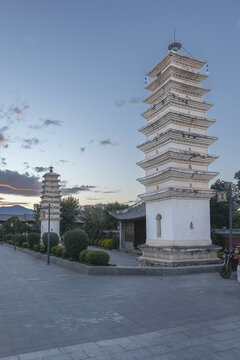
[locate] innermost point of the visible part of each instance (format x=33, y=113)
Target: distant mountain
x=15, y=210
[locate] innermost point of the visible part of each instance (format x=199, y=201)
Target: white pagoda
x=50, y=195
x=176, y=164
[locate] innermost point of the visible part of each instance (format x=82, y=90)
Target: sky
x=72, y=85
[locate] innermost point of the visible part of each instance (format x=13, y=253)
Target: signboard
x=222, y=196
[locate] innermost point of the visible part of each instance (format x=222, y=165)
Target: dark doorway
x=140, y=232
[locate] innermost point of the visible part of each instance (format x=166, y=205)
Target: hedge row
x=105, y=243
x=75, y=247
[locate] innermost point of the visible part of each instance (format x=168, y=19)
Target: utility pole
x=230, y=214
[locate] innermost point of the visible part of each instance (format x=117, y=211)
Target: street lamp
x=15, y=235
x=48, y=244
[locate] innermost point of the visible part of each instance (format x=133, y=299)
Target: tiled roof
x=136, y=211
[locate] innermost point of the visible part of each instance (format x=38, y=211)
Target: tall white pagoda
x=176, y=164
x=50, y=195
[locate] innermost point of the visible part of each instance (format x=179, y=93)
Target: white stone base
x=54, y=226
x=155, y=256
x=184, y=222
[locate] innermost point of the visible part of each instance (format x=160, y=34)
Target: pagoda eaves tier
x=176, y=147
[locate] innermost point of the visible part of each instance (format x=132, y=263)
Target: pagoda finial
x=51, y=169
x=175, y=46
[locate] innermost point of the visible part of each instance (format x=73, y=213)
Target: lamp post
x=230, y=214
x=15, y=231
x=48, y=247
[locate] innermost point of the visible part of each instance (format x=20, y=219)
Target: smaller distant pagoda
x=50, y=195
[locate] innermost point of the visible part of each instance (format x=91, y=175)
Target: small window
x=158, y=224
x=191, y=225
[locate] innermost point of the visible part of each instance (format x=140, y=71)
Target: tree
x=220, y=210
x=69, y=213
x=98, y=219
x=93, y=220
x=9, y=226
x=37, y=215
x=110, y=222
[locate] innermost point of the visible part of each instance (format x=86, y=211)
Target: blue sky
x=72, y=84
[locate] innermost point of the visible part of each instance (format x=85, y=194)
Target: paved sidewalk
x=217, y=340
x=48, y=307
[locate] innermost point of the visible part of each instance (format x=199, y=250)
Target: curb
x=118, y=270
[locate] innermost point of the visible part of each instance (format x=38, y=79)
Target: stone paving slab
x=75, y=316
x=173, y=343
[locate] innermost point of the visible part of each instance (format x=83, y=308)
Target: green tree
x=9, y=226
x=37, y=215
x=93, y=220
x=69, y=213
x=109, y=221
x=220, y=210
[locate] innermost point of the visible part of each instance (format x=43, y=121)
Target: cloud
x=11, y=203
x=63, y=161
x=28, y=143
x=3, y=139
x=3, y=161
x=108, y=142
x=40, y=169
x=76, y=189
x=46, y=123
x=82, y=149
x=14, y=183
x=107, y=191
x=13, y=112
x=120, y=103
x=49, y=122
x=94, y=199
x=133, y=100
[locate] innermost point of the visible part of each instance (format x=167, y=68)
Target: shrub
x=83, y=254
x=220, y=254
x=53, y=250
x=65, y=254
x=33, y=239
x=97, y=257
x=21, y=239
x=11, y=242
x=7, y=238
x=36, y=247
x=53, y=240
x=75, y=241
x=25, y=245
x=95, y=242
x=42, y=249
x=109, y=244
x=59, y=251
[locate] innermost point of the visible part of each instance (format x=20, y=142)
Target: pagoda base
x=174, y=256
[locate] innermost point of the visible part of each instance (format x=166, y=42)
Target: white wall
x=54, y=226
x=177, y=214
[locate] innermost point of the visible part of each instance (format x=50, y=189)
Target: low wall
x=118, y=270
